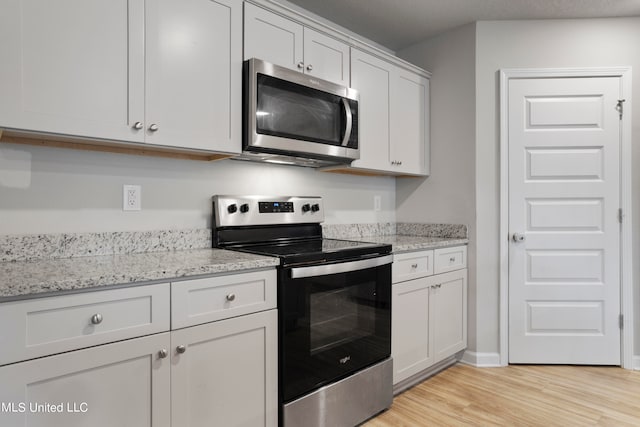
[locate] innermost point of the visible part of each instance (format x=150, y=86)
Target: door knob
x=518, y=237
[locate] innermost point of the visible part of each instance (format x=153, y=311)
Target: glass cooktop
x=316, y=250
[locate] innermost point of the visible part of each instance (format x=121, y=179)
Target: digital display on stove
x=275, y=207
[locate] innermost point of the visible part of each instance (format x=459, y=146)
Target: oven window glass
x=290, y=110
x=340, y=316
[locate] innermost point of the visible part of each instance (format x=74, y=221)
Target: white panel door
x=371, y=77
x=124, y=384
x=326, y=57
x=194, y=72
x=227, y=374
x=72, y=67
x=564, y=262
x=272, y=38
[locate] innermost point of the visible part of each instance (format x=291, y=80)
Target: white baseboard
x=636, y=363
x=481, y=360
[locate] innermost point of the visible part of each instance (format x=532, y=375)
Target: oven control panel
x=231, y=211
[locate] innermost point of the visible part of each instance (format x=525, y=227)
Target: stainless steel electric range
x=334, y=308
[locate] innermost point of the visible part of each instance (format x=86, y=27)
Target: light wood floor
x=519, y=395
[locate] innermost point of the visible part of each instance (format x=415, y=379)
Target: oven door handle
x=342, y=267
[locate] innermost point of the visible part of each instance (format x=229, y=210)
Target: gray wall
x=50, y=190
x=537, y=44
x=448, y=195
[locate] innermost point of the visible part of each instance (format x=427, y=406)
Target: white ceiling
x=401, y=23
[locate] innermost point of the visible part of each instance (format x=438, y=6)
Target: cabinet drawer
x=412, y=265
x=45, y=326
x=449, y=259
x=198, y=301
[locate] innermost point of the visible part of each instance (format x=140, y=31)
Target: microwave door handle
x=343, y=267
x=349, y=126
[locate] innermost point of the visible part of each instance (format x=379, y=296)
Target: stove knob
x=315, y=208
x=232, y=208
x=306, y=207
x=244, y=208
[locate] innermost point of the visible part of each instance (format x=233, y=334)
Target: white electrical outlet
x=377, y=203
x=131, y=197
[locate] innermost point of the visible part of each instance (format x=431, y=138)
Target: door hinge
x=620, y=107
x=621, y=321
x=620, y=215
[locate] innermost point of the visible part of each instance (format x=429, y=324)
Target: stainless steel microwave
x=291, y=117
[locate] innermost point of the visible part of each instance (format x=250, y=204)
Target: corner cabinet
x=281, y=41
x=394, y=116
x=89, y=355
x=158, y=72
x=429, y=312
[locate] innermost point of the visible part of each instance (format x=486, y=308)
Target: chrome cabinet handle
x=181, y=349
x=300, y=65
x=153, y=127
x=309, y=67
x=414, y=265
x=452, y=259
x=163, y=353
x=231, y=297
x=96, y=319
x=137, y=125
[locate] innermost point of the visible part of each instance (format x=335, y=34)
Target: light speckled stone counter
x=402, y=243
x=25, y=279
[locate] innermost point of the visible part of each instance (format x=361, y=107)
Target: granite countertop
x=30, y=278
x=401, y=243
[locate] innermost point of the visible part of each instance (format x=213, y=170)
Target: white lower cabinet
x=227, y=374
x=122, y=384
x=429, y=319
x=220, y=373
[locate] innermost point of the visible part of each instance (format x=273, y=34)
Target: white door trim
x=626, y=273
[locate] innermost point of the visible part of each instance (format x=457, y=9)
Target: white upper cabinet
x=371, y=77
x=72, y=67
x=194, y=74
x=326, y=57
x=408, y=149
x=393, y=116
x=273, y=38
x=162, y=72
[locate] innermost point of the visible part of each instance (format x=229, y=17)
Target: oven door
x=295, y=114
x=335, y=319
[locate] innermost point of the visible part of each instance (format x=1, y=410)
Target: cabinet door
x=227, y=375
x=371, y=77
x=194, y=74
x=122, y=384
x=326, y=57
x=72, y=67
x=272, y=38
x=409, y=119
x=449, y=309
x=411, y=338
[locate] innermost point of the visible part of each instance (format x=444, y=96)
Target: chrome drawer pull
x=231, y=297
x=163, y=353
x=181, y=349
x=452, y=259
x=414, y=265
x=96, y=319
